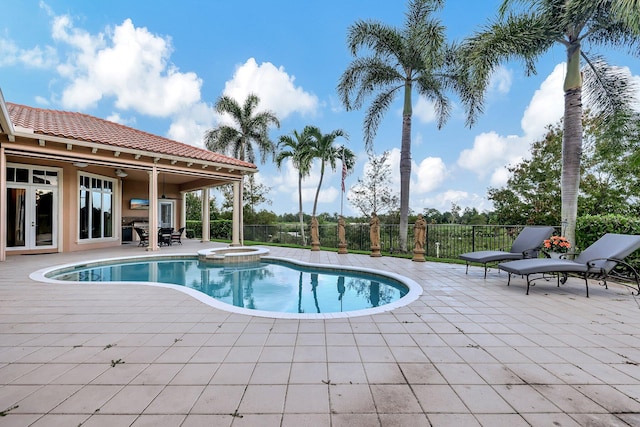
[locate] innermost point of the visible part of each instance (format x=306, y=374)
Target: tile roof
x=82, y=127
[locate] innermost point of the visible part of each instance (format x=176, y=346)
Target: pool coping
x=415, y=290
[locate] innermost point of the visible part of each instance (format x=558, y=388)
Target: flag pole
x=344, y=175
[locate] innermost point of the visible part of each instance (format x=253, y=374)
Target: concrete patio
x=469, y=352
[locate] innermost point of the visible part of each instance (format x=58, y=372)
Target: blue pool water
x=268, y=285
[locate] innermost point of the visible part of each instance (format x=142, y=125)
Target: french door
x=32, y=204
x=166, y=213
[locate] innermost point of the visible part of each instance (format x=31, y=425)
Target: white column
x=183, y=209
x=3, y=204
x=205, y=215
x=153, y=210
x=236, y=226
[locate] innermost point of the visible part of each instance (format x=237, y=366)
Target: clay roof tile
x=82, y=127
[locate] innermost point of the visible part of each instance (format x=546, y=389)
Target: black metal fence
x=442, y=240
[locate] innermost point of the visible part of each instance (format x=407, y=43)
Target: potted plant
x=556, y=246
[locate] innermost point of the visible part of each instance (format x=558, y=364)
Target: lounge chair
x=526, y=245
x=143, y=236
x=595, y=262
x=176, y=237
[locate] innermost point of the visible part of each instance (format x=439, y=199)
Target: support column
x=183, y=209
x=206, y=217
x=236, y=227
x=3, y=204
x=153, y=210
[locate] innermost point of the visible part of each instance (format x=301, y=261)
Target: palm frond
x=374, y=115
x=608, y=89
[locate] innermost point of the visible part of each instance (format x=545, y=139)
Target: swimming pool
x=273, y=287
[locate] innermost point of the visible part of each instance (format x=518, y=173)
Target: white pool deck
x=468, y=352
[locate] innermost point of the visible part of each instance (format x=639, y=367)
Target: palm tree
x=323, y=149
x=570, y=23
x=297, y=147
x=251, y=127
x=400, y=59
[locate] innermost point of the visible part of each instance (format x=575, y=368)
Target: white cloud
x=424, y=110
x=274, y=87
x=430, y=175
x=442, y=201
x=41, y=100
x=501, y=80
x=127, y=63
x=492, y=152
x=117, y=118
x=37, y=57
x=546, y=106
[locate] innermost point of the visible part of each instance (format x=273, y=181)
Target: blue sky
x=160, y=66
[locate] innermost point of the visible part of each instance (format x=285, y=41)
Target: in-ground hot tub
x=232, y=254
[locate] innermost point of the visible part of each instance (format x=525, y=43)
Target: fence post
x=473, y=238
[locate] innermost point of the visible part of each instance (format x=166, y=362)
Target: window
x=96, y=207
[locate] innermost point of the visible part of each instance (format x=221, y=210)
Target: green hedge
x=590, y=228
x=218, y=229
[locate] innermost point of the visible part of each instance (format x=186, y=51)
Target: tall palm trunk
x=571, y=153
x=571, y=143
x=300, y=214
x=405, y=167
x=315, y=200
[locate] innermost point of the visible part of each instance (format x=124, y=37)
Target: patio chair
x=143, y=236
x=164, y=236
x=176, y=237
x=595, y=262
x=526, y=245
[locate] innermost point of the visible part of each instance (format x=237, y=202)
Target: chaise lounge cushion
x=526, y=245
x=596, y=260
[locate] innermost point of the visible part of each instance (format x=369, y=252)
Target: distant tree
x=395, y=62
x=532, y=193
x=323, y=149
x=194, y=206
x=373, y=192
x=610, y=180
x=261, y=217
x=297, y=147
x=250, y=128
x=471, y=216
x=455, y=213
x=433, y=216
x=254, y=193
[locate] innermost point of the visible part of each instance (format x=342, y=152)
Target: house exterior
x=72, y=182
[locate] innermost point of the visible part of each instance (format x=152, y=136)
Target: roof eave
x=30, y=134
x=5, y=120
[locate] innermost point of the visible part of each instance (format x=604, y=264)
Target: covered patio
x=468, y=352
x=73, y=182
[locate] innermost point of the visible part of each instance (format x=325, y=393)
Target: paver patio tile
x=175, y=399
x=263, y=399
x=307, y=399
x=308, y=373
x=219, y=399
x=351, y=399
x=131, y=399
x=482, y=399
x=469, y=351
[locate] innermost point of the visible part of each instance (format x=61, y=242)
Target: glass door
x=166, y=213
x=32, y=200
x=16, y=217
